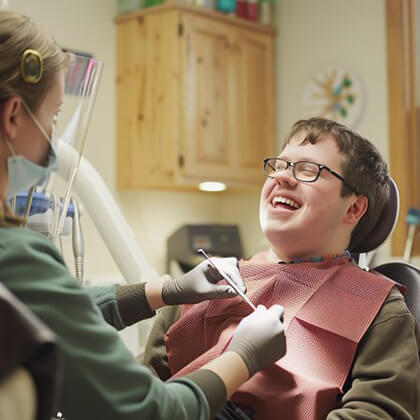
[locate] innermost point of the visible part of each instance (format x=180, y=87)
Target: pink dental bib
x=331, y=305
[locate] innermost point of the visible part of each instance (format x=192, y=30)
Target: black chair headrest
x=384, y=226
x=409, y=276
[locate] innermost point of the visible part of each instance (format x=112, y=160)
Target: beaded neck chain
x=317, y=258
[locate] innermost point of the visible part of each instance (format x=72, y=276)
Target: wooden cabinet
x=195, y=100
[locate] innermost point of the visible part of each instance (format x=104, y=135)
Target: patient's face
x=311, y=222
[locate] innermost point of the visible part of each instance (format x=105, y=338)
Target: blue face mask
x=22, y=173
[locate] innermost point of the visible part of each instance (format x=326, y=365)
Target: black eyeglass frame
x=320, y=168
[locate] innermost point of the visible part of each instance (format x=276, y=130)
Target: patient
x=352, y=345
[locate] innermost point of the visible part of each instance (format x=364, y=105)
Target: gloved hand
x=201, y=283
x=259, y=338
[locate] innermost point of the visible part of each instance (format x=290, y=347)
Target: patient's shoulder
x=394, y=306
x=168, y=315
x=154, y=356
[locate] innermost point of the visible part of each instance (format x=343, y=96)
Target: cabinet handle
x=180, y=29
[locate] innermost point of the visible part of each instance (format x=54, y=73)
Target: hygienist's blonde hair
x=18, y=34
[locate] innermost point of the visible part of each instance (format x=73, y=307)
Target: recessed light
x=212, y=186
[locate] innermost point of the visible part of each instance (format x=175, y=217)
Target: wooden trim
x=182, y=6
x=402, y=114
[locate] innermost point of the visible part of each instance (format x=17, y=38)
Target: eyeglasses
x=303, y=171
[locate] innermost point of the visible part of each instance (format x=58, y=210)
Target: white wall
x=312, y=35
x=315, y=35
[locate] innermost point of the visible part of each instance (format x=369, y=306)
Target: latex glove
x=201, y=283
x=259, y=338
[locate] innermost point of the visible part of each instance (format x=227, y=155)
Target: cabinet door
x=206, y=140
x=148, y=86
x=253, y=122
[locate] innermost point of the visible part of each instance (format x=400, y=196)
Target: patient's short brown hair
x=364, y=168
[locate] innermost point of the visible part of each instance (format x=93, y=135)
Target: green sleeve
x=106, y=300
x=101, y=380
x=155, y=357
x=121, y=306
x=384, y=382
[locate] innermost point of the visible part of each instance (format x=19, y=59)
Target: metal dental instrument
x=227, y=278
x=13, y=204
x=28, y=204
x=78, y=242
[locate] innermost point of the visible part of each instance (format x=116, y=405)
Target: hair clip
x=31, y=66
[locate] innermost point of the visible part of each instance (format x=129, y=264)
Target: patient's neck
x=272, y=255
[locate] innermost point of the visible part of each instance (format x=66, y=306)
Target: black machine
x=217, y=240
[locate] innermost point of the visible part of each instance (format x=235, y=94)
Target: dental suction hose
x=413, y=220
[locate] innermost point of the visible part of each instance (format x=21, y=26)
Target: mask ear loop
x=31, y=66
x=35, y=120
x=9, y=145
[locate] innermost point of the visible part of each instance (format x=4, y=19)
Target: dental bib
x=330, y=305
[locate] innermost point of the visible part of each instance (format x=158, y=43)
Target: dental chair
x=401, y=272
x=409, y=276
x=28, y=363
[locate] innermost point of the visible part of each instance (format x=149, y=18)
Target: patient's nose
x=285, y=176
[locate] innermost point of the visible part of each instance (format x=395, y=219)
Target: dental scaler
x=227, y=278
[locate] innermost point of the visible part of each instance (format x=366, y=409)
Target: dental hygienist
x=101, y=379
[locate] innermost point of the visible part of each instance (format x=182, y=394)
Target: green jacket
x=101, y=379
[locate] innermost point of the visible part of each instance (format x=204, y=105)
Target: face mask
x=22, y=173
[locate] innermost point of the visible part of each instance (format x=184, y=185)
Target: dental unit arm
x=96, y=198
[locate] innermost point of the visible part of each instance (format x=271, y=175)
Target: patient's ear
x=356, y=209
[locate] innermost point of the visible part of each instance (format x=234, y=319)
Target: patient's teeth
x=284, y=200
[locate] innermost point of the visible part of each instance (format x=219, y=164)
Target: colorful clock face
x=335, y=94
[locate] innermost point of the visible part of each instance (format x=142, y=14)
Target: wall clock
x=336, y=94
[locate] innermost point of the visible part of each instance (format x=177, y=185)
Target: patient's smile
x=284, y=202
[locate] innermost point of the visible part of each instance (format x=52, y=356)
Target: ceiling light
x=212, y=186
